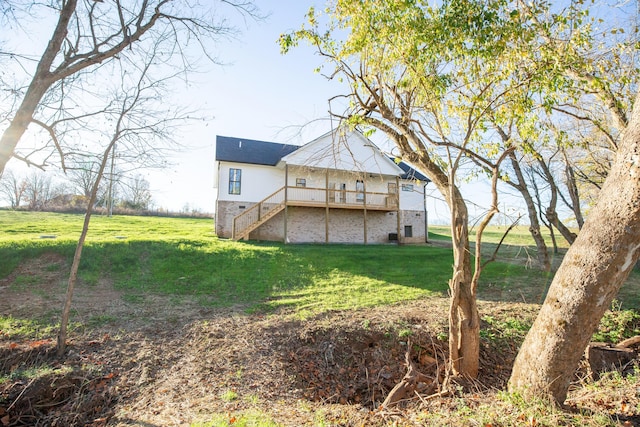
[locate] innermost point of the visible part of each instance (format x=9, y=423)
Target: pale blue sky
x=259, y=94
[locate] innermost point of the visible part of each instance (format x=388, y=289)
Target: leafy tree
x=591, y=273
x=431, y=78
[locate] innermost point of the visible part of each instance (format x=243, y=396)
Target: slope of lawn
x=178, y=256
x=183, y=257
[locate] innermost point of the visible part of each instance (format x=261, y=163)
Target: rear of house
x=339, y=188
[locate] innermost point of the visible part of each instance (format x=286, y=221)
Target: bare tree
x=13, y=188
x=82, y=177
x=136, y=193
x=40, y=190
x=140, y=127
x=91, y=34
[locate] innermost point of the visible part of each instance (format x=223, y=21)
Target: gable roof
x=240, y=150
x=343, y=149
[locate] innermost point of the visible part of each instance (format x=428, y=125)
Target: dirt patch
x=158, y=363
x=175, y=373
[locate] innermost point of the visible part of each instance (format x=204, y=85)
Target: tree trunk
x=573, y=193
x=592, y=272
x=551, y=213
x=75, y=265
x=42, y=80
x=534, y=227
x=464, y=319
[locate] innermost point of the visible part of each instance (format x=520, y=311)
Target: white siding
x=257, y=182
x=412, y=200
x=317, y=178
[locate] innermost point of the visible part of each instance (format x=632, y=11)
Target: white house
x=338, y=188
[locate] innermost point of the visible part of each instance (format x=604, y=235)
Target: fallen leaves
x=4, y=417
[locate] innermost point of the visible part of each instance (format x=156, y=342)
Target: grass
x=32, y=328
x=34, y=373
x=183, y=258
x=507, y=281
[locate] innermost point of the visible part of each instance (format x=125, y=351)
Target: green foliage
x=617, y=324
x=247, y=419
x=13, y=328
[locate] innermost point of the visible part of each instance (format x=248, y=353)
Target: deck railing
x=336, y=198
x=256, y=213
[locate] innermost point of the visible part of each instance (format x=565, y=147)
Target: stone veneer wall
x=307, y=225
x=224, y=215
x=416, y=220
x=272, y=230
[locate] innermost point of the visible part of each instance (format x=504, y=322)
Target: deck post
x=364, y=205
x=398, y=206
x=286, y=200
x=326, y=203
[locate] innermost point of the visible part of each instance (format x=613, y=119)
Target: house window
x=407, y=187
x=408, y=231
x=343, y=192
x=235, y=176
x=359, y=191
x=301, y=182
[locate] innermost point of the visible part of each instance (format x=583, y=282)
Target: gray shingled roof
x=411, y=173
x=240, y=150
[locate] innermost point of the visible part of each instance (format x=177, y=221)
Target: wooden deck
x=326, y=198
x=341, y=199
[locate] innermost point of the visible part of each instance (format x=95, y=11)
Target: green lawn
x=178, y=256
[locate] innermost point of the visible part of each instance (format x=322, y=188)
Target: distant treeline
x=115, y=211
x=43, y=192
